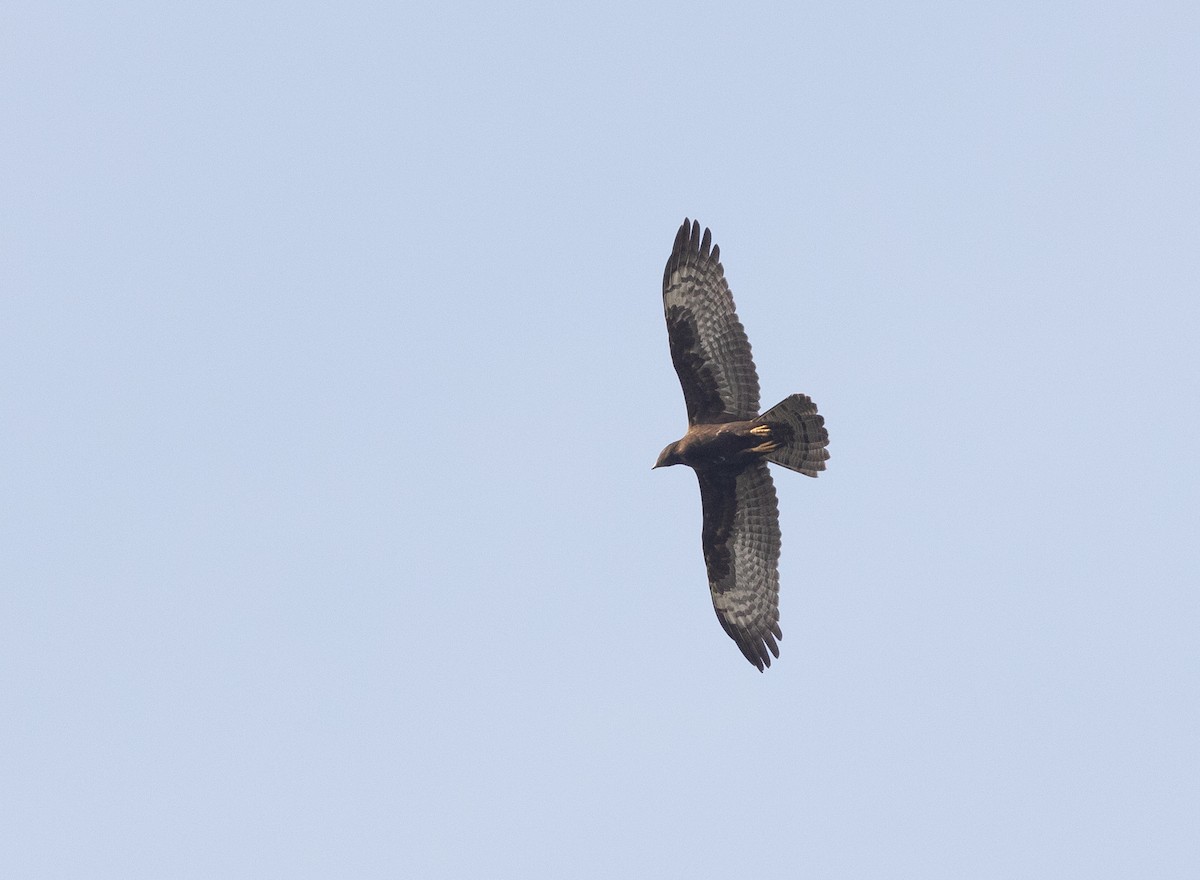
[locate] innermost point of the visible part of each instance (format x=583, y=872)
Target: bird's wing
x=708, y=343
x=741, y=551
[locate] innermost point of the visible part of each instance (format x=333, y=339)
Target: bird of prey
x=728, y=443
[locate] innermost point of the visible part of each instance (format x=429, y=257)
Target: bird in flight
x=728, y=443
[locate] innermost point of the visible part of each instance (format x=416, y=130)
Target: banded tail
x=800, y=433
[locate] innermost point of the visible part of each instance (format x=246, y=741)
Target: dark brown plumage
x=728, y=443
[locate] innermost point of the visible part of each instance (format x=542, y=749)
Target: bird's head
x=669, y=456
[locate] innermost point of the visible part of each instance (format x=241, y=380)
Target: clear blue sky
x=332, y=367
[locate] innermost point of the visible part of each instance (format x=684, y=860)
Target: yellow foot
x=764, y=448
x=761, y=431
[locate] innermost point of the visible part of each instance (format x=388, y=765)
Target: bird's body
x=728, y=444
x=723, y=444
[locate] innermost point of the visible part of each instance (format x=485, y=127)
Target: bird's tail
x=799, y=432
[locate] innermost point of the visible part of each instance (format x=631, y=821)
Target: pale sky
x=332, y=365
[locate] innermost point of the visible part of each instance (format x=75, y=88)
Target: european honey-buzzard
x=728, y=444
